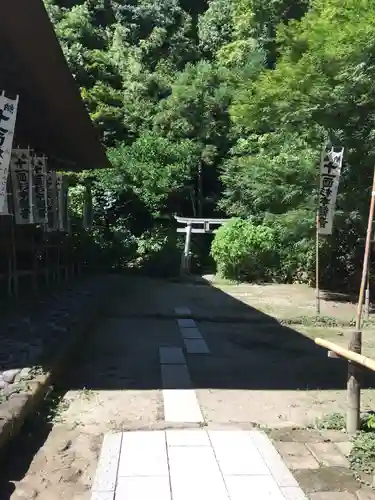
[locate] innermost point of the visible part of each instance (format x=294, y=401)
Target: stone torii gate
x=194, y=225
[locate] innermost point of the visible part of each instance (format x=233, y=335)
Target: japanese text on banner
x=40, y=190
x=21, y=172
x=8, y=114
x=330, y=171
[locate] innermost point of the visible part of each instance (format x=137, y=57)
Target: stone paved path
x=151, y=367
x=192, y=464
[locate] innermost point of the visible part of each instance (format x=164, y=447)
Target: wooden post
x=317, y=290
x=367, y=295
x=353, y=385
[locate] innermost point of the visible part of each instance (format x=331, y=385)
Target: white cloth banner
x=8, y=115
x=330, y=172
x=22, y=185
x=52, y=205
x=39, y=169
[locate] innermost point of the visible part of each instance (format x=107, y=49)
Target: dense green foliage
x=221, y=108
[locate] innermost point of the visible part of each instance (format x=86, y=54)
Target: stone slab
x=257, y=487
x=195, y=474
x=187, y=438
x=175, y=377
x=186, y=323
x=181, y=406
x=328, y=454
x=196, y=346
x=142, y=488
x=171, y=355
x=296, y=455
x=274, y=462
x=143, y=454
x=106, y=472
x=190, y=333
x=103, y=495
x=237, y=454
x=293, y=493
x=326, y=479
x=295, y=435
x=365, y=494
x=345, y=447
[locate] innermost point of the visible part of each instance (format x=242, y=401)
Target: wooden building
x=53, y=121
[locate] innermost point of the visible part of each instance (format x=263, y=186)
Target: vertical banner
x=87, y=208
x=61, y=199
x=8, y=115
x=39, y=175
x=52, y=207
x=330, y=172
x=22, y=186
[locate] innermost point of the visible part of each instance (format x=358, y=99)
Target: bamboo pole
x=353, y=384
x=367, y=294
x=347, y=353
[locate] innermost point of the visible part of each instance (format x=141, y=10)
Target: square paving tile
x=274, y=462
x=143, y=488
x=171, y=355
x=257, y=487
x=102, y=495
x=190, y=333
x=175, y=377
x=196, y=346
x=195, y=474
x=293, y=493
x=181, y=406
x=326, y=479
x=187, y=438
x=328, y=454
x=296, y=455
x=237, y=454
x=143, y=453
x=186, y=323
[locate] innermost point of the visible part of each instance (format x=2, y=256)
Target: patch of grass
x=87, y=394
x=327, y=321
x=362, y=455
x=332, y=421
x=54, y=406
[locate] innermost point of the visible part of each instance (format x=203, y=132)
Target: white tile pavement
x=192, y=465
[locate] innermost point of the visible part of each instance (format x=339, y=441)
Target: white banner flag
x=330, y=171
x=8, y=115
x=52, y=205
x=22, y=185
x=39, y=167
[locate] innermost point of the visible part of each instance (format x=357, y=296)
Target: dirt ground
x=259, y=373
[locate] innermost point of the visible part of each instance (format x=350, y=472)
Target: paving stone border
x=318, y=460
x=35, y=347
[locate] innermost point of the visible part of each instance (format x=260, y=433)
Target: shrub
x=159, y=252
x=243, y=250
